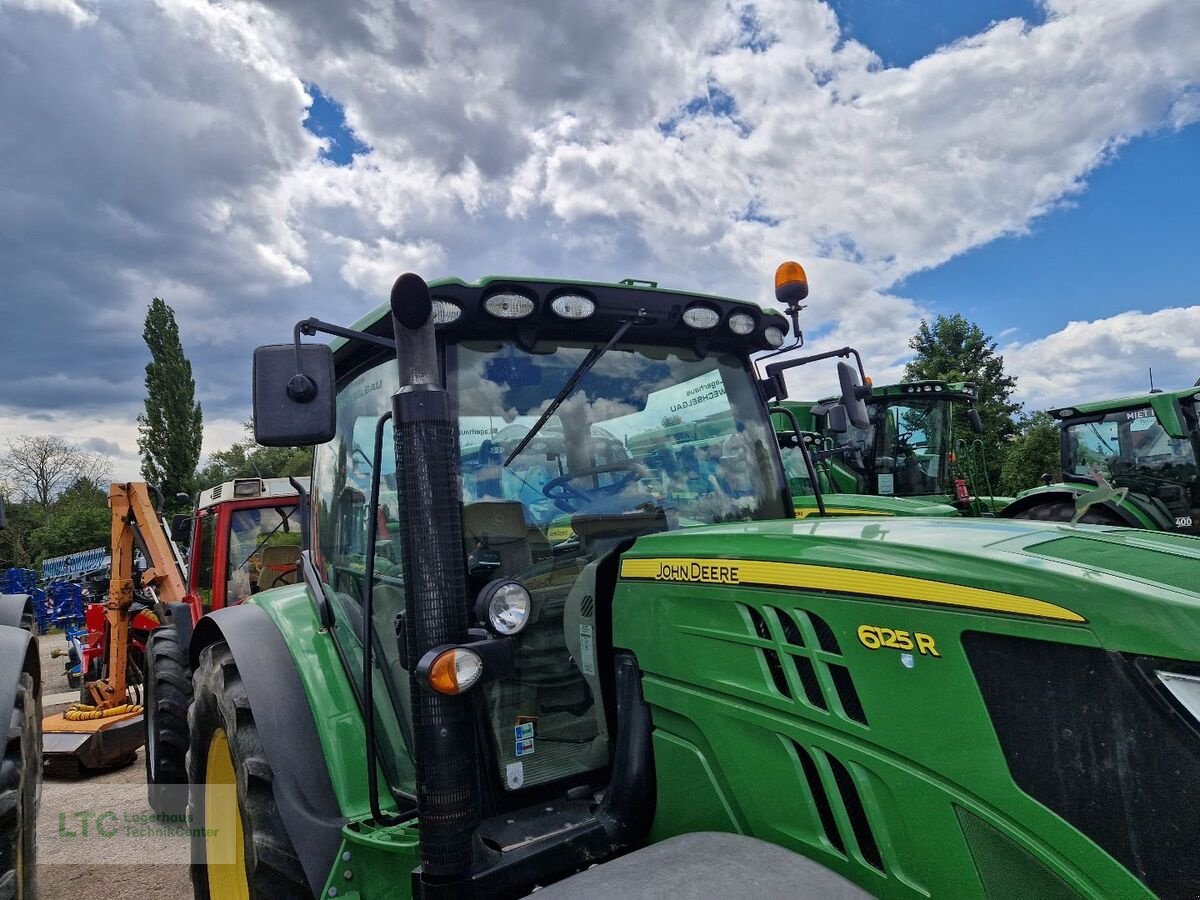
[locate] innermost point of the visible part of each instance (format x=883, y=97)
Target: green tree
x=15, y=539
x=246, y=459
x=78, y=520
x=1034, y=453
x=170, y=430
x=39, y=466
x=955, y=349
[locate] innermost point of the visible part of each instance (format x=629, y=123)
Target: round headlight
x=573, y=306
x=773, y=336
x=701, y=317
x=741, y=323
x=504, y=605
x=445, y=312
x=508, y=305
x=451, y=671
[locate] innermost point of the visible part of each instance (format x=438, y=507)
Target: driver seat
x=500, y=526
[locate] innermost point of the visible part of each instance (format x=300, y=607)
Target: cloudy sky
x=1034, y=165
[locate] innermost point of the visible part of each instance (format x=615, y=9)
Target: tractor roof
x=376, y=320
x=1102, y=406
x=249, y=489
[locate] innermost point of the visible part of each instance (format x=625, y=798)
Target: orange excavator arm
x=134, y=521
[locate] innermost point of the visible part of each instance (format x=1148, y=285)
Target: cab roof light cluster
x=509, y=305
x=573, y=306
x=445, y=312
x=701, y=317
x=247, y=487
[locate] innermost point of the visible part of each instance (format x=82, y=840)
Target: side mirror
x=294, y=395
x=181, y=529
x=976, y=422
x=855, y=406
x=836, y=420
x=3, y=514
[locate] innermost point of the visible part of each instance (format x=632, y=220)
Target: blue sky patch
x=327, y=119
x=1128, y=241
x=903, y=31
x=718, y=103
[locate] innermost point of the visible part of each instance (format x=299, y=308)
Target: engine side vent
x=825, y=636
x=1006, y=869
x=790, y=631
x=216, y=492
x=808, y=680
x=760, y=624
x=847, y=693
x=858, y=814
x=820, y=799
x=774, y=665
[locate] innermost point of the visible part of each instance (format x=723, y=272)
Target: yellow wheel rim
x=226, y=864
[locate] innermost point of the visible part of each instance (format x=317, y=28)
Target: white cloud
x=1109, y=357
x=161, y=152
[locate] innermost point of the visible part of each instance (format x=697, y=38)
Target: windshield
x=670, y=430
x=264, y=551
x=912, y=442
x=1131, y=449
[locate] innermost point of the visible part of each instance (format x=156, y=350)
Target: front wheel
x=240, y=848
x=19, y=773
x=168, y=696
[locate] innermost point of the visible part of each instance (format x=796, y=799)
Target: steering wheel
x=565, y=494
x=279, y=576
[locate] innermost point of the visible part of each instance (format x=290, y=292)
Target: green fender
x=1135, y=510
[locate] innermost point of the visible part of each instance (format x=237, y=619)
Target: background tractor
x=20, y=744
x=1148, y=445
x=524, y=654
x=905, y=451
x=243, y=537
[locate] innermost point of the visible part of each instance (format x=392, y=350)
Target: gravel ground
x=103, y=871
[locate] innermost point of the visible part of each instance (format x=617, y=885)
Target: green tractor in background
x=902, y=460
x=690, y=691
x=1134, y=461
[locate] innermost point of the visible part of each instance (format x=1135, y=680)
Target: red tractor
x=244, y=537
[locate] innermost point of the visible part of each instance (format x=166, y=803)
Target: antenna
x=1153, y=389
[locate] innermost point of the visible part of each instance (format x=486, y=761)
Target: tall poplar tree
x=170, y=430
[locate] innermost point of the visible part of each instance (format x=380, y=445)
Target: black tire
x=1064, y=511
x=20, y=785
x=220, y=704
x=168, y=696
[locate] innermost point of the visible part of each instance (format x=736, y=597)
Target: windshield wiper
x=584, y=367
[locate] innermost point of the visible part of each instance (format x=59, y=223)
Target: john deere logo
x=711, y=573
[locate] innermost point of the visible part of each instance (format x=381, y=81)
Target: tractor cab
x=243, y=538
x=569, y=444
x=1148, y=445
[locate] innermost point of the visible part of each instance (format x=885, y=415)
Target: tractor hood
x=1137, y=591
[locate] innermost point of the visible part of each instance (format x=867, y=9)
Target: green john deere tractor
x=1133, y=461
x=902, y=460
x=20, y=744
x=684, y=691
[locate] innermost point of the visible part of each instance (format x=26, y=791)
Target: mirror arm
x=778, y=388
x=301, y=388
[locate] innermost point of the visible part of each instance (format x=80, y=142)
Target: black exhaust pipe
x=434, y=586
